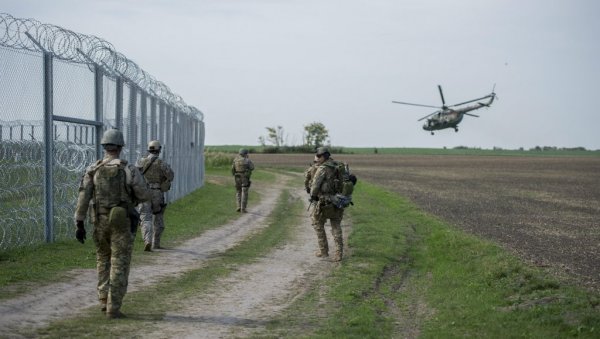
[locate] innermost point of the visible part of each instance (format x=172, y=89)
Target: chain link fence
x=59, y=91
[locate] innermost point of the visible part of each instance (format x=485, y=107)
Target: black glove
x=308, y=190
x=314, y=198
x=80, y=233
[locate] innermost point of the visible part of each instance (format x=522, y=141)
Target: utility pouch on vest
x=165, y=186
x=117, y=216
x=347, y=188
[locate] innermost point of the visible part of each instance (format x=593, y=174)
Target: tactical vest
x=154, y=173
x=240, y=165
x=110, y=187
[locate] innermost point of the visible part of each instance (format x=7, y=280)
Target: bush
x=218, y=159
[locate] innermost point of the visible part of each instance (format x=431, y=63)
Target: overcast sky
x=249, y=64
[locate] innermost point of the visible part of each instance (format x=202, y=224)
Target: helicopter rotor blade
x=408, y=103
x=428, y=115
x=473, y=115
x=442, y=95
x=473, y=100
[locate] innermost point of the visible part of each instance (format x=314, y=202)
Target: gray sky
x=249, y=64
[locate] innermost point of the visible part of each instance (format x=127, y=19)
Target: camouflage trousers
x=152, y=225
x=114, y=244
x=242, y=186
x=319, y=217
x=241, y=197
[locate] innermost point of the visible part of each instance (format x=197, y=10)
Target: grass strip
x=27, y=268
x=410, y=274
x=147, y=307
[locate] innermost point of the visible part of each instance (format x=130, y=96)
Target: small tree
x=316, y=134
x=275, y=135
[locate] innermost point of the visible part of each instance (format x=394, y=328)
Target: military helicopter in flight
x=450, y=116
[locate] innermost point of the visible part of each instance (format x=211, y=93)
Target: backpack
x=344, y=183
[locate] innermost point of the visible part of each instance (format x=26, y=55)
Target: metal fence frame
x=152, y=111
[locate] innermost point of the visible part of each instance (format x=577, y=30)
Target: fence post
x=132, y=132
x=48, y=147
x=119, y=105
x=153, y=133
x=99, y=107
x=161, y=125
x=143, y=120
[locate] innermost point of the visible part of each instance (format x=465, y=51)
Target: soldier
x=159, y=176
x=325, y=184
x=241, y=169
x=111, y=188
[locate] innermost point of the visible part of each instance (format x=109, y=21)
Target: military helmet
x=154, y=145
x=243, y=151
x=113, y=137
x=322, y=150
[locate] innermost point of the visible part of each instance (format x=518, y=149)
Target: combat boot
x=148, y=247
x=321, y=254
x=103, y=304
x=115, y=315
x=337, y=256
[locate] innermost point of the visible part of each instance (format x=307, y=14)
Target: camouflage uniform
x=309, y=174
x=112, y=235
x=241, y=169
x=157, y=173
x=325, y=185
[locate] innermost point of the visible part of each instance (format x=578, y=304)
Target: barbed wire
x=75, y=47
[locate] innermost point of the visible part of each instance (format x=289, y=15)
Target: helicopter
x=450, y=116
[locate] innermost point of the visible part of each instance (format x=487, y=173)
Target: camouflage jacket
x=309, y=174
x=325, y=181
x=155, y=171
x=135, y=185
x=242, y=166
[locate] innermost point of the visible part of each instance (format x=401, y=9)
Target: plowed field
x=544, y=209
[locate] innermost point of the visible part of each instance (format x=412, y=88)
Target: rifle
x=312, y=202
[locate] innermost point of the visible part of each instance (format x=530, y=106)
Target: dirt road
x=238, y=304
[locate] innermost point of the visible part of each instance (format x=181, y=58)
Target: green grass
x=406, y=272
x=410, y=267
x=148, y=306
x=208, y=207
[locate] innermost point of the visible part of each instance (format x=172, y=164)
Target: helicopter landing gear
x=431, y=133
x=455, y=129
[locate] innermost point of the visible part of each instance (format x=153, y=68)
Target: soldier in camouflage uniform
x=241, y=169
x=111, y=188
x=323, y=187
x=159, y=176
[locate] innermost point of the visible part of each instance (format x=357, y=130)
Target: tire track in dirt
x=241, y=304
x=62, y=300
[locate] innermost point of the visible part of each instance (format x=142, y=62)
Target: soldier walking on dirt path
x=241, y=169
x=111, y=188
x=324, y=185
x=158, y=175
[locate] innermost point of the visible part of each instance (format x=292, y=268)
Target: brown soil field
x=544, y=209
